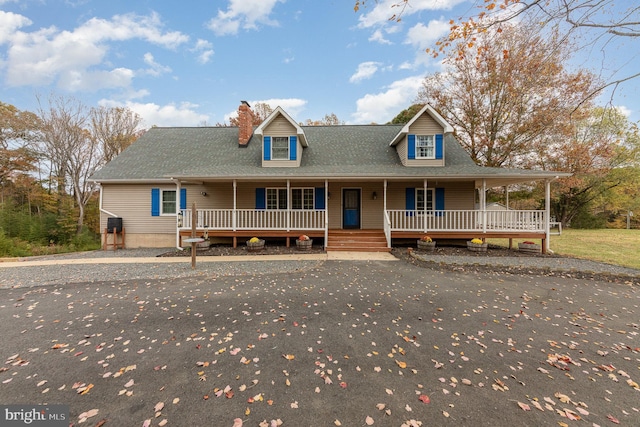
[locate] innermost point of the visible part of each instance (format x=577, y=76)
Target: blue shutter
x=155, y=202
x=411, y=147
x=439, y=201
x=319, y=198
x=410, y=200
x=293, y=146
x=261, y=198
x=183, y=198
x=266, y=143
x=439, y=146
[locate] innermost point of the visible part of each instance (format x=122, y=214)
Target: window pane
x=420, y=199
x=308, y=198
x=168, y=202
x=282, y=198
x=296, y=198
x=272, y=198
x=280, y=148
x=425, y=146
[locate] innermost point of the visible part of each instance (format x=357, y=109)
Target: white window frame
x=280, y=199
x=163, y=211
x=424, y=144
x=306, y=203
x=420, y=203
x=280, y=139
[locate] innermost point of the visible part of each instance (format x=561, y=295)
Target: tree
x=508, y=98
x=18, y=132
x=602, y=145
x=72, y=150
x=328, y=120
x=407, y=114
x=114, y=129
x=594, y=25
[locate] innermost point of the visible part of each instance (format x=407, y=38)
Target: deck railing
x=467, y=220
x=252, y=219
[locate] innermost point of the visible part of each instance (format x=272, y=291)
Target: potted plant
x=426, y=243
x=477, y=245
x=529, y=247
x=304, y=243
x=255, y=244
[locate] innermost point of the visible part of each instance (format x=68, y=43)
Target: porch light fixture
x=204, y=193
x=374, y=196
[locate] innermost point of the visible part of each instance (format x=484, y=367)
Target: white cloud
x=9, y=23
x=365, y=70
x=83, y=80
x=183, y=114
x=204, y=49
x=384, y=106
x=377, y=36
x=245, y=14
x=385, y=9
x=156, y=69
x=50, y=55
x=422, y=36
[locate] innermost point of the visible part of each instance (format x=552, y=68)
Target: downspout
x=100, y=205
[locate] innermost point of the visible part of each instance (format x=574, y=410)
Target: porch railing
x=467, y=220
x=252, y=219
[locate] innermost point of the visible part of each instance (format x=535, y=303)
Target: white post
x=547, y=213
x=234, y=220
x=483, y=205
x=178, y=204
x=326, y=212
x=506, y=197
x=289, y=205
x=424, y=207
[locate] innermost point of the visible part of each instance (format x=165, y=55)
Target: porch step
x=357, y=241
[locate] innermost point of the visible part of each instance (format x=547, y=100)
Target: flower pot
x=531, y=248
x=426, y=246
x=477, y=247
x=203, y=245
x=304, y=245
x=255, y=246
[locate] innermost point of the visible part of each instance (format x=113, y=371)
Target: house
x=355, y=187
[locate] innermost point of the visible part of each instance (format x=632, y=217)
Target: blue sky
x=189, y=62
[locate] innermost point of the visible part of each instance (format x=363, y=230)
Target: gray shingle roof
x=348, y=151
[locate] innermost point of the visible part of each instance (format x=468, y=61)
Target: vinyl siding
x=424, y=125
x=371, y=210
x=280, y=126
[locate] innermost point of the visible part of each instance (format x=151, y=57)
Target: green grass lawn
x=613, y=246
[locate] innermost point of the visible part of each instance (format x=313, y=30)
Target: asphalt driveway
x=344, y=343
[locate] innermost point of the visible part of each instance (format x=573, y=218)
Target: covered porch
x=380, y=215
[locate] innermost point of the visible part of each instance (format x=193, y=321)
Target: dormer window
x=280, y=148
x=425, y=147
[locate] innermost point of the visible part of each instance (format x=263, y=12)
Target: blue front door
x=351, y=208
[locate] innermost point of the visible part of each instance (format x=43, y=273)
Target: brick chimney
x=245, y=123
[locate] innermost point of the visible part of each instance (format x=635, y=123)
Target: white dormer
x=283, y=140
x=420, y=142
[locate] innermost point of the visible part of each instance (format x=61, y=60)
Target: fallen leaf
x=369, y=421
x=237, y=422
x=158, y=407
x=524, y=406
x=613, y=419
x=424, y=398
x=289, y=356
